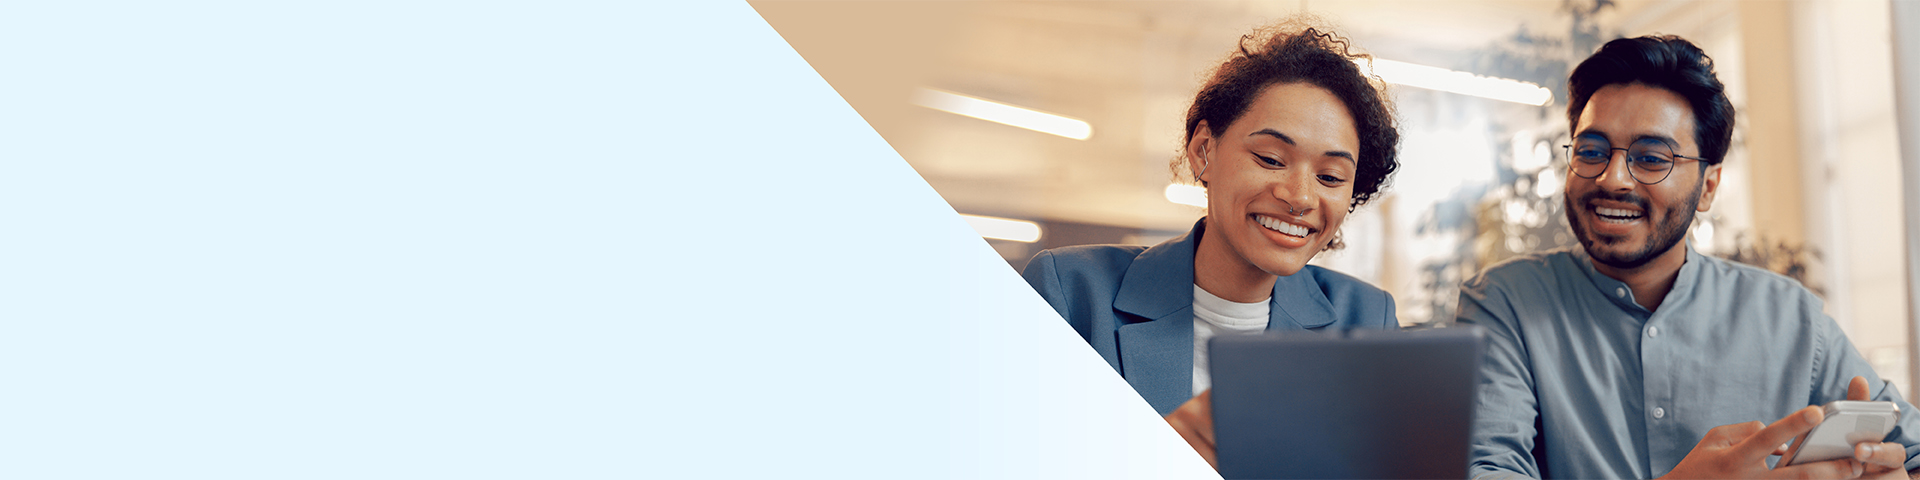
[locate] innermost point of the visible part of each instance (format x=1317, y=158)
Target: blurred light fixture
x=1530, y=153
x=992, y=111
x=1004, y=228
x=1436, y=78
x=1183, y=194
x=1548, y=183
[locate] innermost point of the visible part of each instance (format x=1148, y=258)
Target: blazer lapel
x=1299, y=303
x=1156, y=300
x=1157, y=357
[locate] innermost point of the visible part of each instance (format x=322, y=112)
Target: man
x=1632, y=356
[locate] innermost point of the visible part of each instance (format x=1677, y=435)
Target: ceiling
x=1127, y=68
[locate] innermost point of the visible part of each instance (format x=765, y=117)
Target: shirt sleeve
x=1838, y=362
x=1504, y=414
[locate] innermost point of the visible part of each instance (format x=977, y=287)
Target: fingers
x=1761, y=443
x=1842, y=468
x=1727, y=435
x=1203, y=408
x=1878, y=457
x=1204, y=448
x=1193, y=420
x=1887, y=455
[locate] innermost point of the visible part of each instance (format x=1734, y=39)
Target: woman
x=1288, y=136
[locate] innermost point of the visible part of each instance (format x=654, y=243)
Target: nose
x=1618, y=177
x=1297, y=191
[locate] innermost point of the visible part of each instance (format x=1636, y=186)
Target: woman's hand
x=1194, y=421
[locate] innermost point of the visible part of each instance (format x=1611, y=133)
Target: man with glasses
x=1632, y=356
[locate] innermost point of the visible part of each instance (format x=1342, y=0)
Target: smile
x=1283, y=227
x=1616, y=215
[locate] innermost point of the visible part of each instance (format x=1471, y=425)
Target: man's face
x=1622, y=222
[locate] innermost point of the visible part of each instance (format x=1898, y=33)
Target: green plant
x=1793, y=260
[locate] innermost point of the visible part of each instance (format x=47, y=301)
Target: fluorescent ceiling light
x=1436, y=78
x=992, y=111
x=1183, y=194
x=1004, y=228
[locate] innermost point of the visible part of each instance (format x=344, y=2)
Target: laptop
x=1352, y=404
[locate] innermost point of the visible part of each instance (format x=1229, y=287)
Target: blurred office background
x=1812, y=187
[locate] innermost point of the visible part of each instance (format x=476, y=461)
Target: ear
x=1199, y=150
x=1712, y=187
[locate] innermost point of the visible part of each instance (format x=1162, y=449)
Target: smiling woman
x=1288, y=136
x=1275, y=201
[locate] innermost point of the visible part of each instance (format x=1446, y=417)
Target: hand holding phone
x=1846, y=423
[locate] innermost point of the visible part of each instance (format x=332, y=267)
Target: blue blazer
x=1134, y=305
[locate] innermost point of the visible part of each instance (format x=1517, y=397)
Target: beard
x=1671, y=229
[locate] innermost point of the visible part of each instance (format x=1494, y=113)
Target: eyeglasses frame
x=1574, y=169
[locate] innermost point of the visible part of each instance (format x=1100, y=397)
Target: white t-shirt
x=1212, y=316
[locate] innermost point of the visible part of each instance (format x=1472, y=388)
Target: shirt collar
x=1691, y=274
x=1621, y=295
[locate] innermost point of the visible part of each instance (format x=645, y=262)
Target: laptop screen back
x=1355, y=404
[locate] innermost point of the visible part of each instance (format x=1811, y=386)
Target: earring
x=1203, y=166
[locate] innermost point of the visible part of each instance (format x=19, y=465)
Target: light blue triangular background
x=459, y=240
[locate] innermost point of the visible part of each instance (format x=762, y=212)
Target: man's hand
x=1883, y=460
x=1194, y=421
x=1740, y=451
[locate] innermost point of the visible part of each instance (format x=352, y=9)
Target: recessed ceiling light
x=997, y=112
x=1004, y=228
x=1184, y=194
x=1436, y=78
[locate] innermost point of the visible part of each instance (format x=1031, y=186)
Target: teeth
x=1615, y=212
x=1282, y=227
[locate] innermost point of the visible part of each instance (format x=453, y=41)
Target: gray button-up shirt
x=1581, y=382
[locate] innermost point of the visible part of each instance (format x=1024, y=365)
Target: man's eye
x=1590, y=155
x=1653, y=162
x=1269, y=161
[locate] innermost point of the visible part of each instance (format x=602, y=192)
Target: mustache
x=1629, y=197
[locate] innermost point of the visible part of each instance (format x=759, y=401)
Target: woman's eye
x=1332, y=180
x=1269, y=161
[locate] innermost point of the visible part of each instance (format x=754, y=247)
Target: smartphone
x=1847, y=423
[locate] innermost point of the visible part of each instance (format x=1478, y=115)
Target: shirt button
x=1659, y=412
x=1620, y=292
x=1653, y=331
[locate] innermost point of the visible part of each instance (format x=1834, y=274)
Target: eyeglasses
x=1650, y=161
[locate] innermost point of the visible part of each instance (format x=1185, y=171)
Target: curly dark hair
x=1289, y=53
x=1667, y=62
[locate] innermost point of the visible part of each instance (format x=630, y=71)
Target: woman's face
x=1280, y=178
